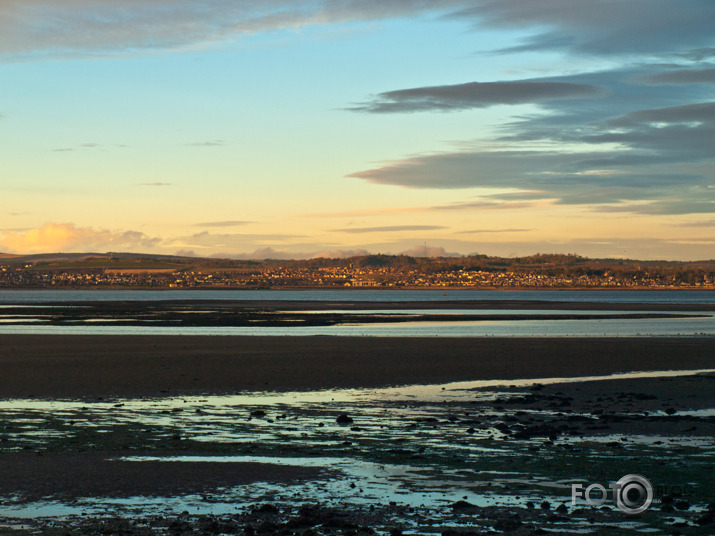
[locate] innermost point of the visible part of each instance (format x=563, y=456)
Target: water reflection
x=630, y=327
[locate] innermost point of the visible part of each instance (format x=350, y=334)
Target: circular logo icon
x=633, y=494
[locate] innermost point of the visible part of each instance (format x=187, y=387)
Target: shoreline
x=120, y=366
x=362, y=289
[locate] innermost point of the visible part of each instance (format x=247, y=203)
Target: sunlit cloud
x=66, y=237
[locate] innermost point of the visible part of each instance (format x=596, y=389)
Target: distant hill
x=90, y=258
x=114, y=260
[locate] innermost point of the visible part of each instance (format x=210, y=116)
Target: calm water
x=599, y=296
x=701, y=325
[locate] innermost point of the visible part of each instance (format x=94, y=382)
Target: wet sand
x=64, y=475
x=69, y=366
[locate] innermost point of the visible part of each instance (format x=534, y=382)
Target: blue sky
x=298, y=129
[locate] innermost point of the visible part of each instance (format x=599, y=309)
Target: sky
x=286, y=129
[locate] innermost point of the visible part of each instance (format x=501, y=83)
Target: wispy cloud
x=389, y=228
x=209, y=241
x=288, y=254
x=476, y=95
x=89, y=145
x=106, y=27
x=110, y=27
x=678, y=77
x=360, y=212
x=623, y=28
x=488, y=231
x=710, y=223
x=160, y=184
x=210, y=143
x=602, y=152
x=227, y=223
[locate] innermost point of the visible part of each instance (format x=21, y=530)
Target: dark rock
x=344, y=419
x=463, y=506
x=682, y=505
x=546, y=505
x=267, y=508
x=561, y=509
x=667, y=508
x=258, y=413
x=530, y=505
x=503, y=428
x=537, y=430
x=670, y=411
x=706, y=519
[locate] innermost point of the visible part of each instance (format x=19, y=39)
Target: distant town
x=127, y=270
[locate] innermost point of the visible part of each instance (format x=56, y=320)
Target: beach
x=349, y=435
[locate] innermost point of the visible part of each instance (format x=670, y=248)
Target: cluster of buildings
x=276, y=276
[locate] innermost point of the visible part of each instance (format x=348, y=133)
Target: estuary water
x=353, y=295
x=533, y=322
